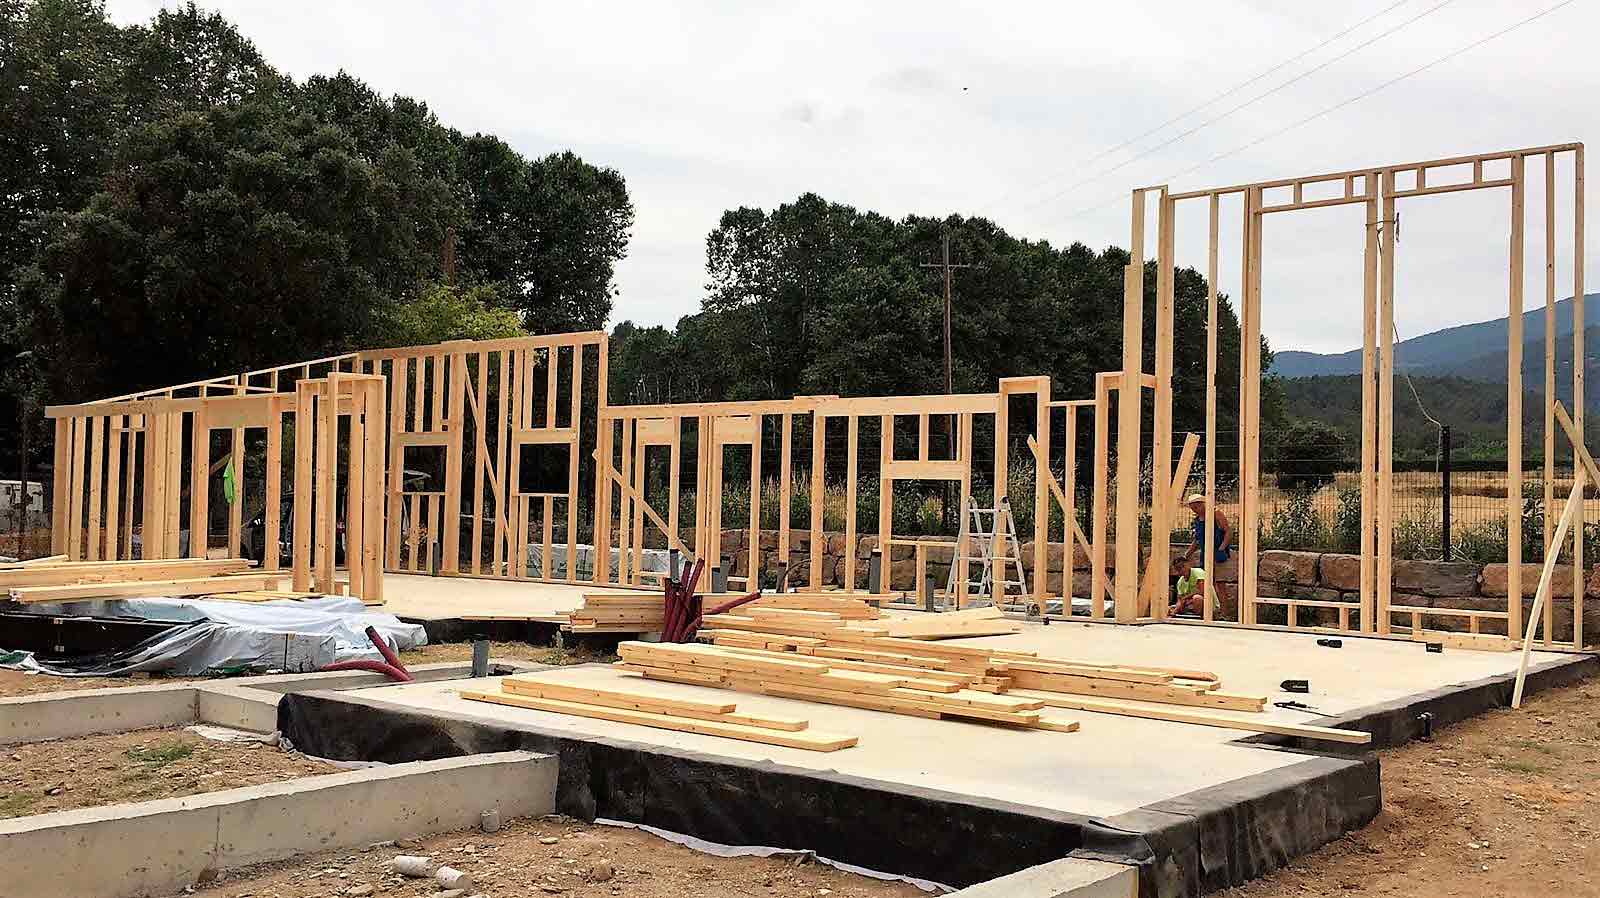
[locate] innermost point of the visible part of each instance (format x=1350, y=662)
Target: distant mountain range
x=1472, y=351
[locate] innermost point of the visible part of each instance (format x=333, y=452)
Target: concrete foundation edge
x=1069, y=877
x=159, y=847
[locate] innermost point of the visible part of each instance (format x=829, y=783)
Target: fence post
x=1444, y=490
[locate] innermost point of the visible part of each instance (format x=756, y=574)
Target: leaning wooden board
x=809, y=740
x=1200, y=718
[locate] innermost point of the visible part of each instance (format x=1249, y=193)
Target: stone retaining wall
x=1312, y=576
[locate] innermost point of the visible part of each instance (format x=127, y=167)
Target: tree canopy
x=818, y=297
x=171, y=207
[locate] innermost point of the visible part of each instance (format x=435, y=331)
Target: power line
x=1250, y=102
x=1335, y=107
x=1223, y=95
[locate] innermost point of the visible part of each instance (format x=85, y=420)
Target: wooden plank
x=325, y=531
x=1128, y=421
x=396, y=475
x=132, y=588
x=925, y=470
x=1208, y=608
x=1477, y=642
x=819, y=432
x=373, y=499
x=613, y=698
x=97, y=451
x=575, y=421
x=117, y=571
x=1514, y=403
x=675, y=675
x=885, y=501
x=1579, y=571
x=752, y=564
x=58, y=487
x=199, y=483
x=1542, y=594
x=1170, y=694
x=649, y=512
x=963, y=550
x=809, y=740
x=1201, y=718
x=1383, y=575
x=355, y=525
x=502, y=529
x=115, y=437
x=236, y=508
x=602, y=486
x=75, y=497
x=850, y=547
x=477, y=393
x=1162, y=501
x=935, y=628
x=304, y=427
x=455, y=426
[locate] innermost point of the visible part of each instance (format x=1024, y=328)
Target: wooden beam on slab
x=1199, y=718
x=809, y=740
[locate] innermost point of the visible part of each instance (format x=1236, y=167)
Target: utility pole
x=948, y=269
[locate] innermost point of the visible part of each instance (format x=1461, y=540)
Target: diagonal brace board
x=655, y=518
x=1061, y=497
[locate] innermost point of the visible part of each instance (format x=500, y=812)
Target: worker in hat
x=1195, y=577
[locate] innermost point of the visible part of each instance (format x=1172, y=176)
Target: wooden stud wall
x=1379, y=191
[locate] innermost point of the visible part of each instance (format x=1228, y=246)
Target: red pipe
x=393, y=673
x=388, y=654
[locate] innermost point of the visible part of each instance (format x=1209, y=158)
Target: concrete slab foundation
x=929, y=798
x=159, y=847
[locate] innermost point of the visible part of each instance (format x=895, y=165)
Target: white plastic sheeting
x=215, y=635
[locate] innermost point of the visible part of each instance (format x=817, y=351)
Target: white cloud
x=985, y=108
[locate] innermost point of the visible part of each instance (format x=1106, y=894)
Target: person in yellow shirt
x=1196, y=576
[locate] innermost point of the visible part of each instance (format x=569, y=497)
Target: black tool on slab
x=1295, y=685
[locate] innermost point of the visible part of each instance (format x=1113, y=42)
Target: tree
x=62, y=104
x=441, y=312
x=221, y=235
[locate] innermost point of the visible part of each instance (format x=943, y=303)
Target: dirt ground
x=89, y=771
x=1499, y=805
x=15, y=682
x=581, y=653
x=553, y=856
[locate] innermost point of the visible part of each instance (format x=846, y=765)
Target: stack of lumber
x=1122, y=689
x=827, y=681
x=643, y=612
x=707, y=718
x=954, y=624
x=65, y=581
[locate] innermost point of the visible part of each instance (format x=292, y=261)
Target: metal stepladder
x=973, y=526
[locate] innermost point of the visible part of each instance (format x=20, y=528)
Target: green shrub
x=1296, y=525
x=1347, y=521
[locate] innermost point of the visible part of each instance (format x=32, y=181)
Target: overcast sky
x=1005, y=110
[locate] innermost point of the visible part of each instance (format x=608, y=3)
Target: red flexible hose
x=393, y=673
x=388, y=654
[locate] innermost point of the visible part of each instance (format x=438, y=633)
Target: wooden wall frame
x=1379, y=190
